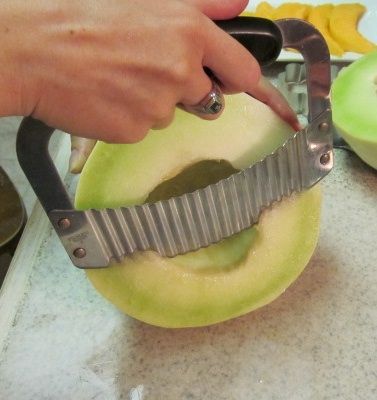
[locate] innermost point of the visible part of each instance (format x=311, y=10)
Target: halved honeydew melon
x=354, y=105
x=227, y=279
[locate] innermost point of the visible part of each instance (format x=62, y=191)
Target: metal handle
x=303, y=37
x=265, y=39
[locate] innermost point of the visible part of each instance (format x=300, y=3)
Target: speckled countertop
x=60, y=340
x=8, y=161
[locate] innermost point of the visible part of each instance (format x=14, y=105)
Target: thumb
x=215, y=9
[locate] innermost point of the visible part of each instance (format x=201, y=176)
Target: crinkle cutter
x=96, y=238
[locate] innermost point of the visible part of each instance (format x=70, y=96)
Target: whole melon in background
x=354, y=105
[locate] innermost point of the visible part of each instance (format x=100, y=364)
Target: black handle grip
x=260, y=36
x=35, y=160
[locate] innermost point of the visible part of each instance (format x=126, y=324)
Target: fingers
x=198, y=85
x=215, y=9
x=238, y=71
x=152, y=81
x=212, y=105
x=80, y=151
x=232, y=64
x=163, y=122
x=202, y=98
x=267, y=93
x=220, y=59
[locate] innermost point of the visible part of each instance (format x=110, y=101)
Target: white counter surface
x=60, y=340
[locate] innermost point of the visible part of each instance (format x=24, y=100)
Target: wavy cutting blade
x=206, y=216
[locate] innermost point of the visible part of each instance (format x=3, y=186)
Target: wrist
x=11, y=91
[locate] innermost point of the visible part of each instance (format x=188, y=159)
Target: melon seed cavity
x=191, y=178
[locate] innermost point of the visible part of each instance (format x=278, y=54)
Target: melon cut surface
x=222, y=281
x=354, y=105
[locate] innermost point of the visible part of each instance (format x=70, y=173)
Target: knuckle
x=165, y=121
x=138, y=132
x=160, y=110
x=190, y=22
x=126, y=132
x=136, y=136
x=248, y=79
x=188, y=49
x=181, y=71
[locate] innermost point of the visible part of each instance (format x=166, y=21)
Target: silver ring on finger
x=212, y=103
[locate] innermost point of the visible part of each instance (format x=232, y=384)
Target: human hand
x=113, y=69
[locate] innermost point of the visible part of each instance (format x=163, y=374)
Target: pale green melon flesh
x=354, y=105
x=224, y=280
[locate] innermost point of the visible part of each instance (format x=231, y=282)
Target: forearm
x=31, y=33
x=21, y=44
x=10, y=68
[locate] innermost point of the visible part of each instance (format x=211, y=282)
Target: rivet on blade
x=325, y=158
x=64, y=223
x=323, y=126
x=79, y=252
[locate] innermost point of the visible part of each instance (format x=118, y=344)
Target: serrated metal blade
x=206, y=216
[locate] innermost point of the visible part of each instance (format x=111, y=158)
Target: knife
x=97, y=238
